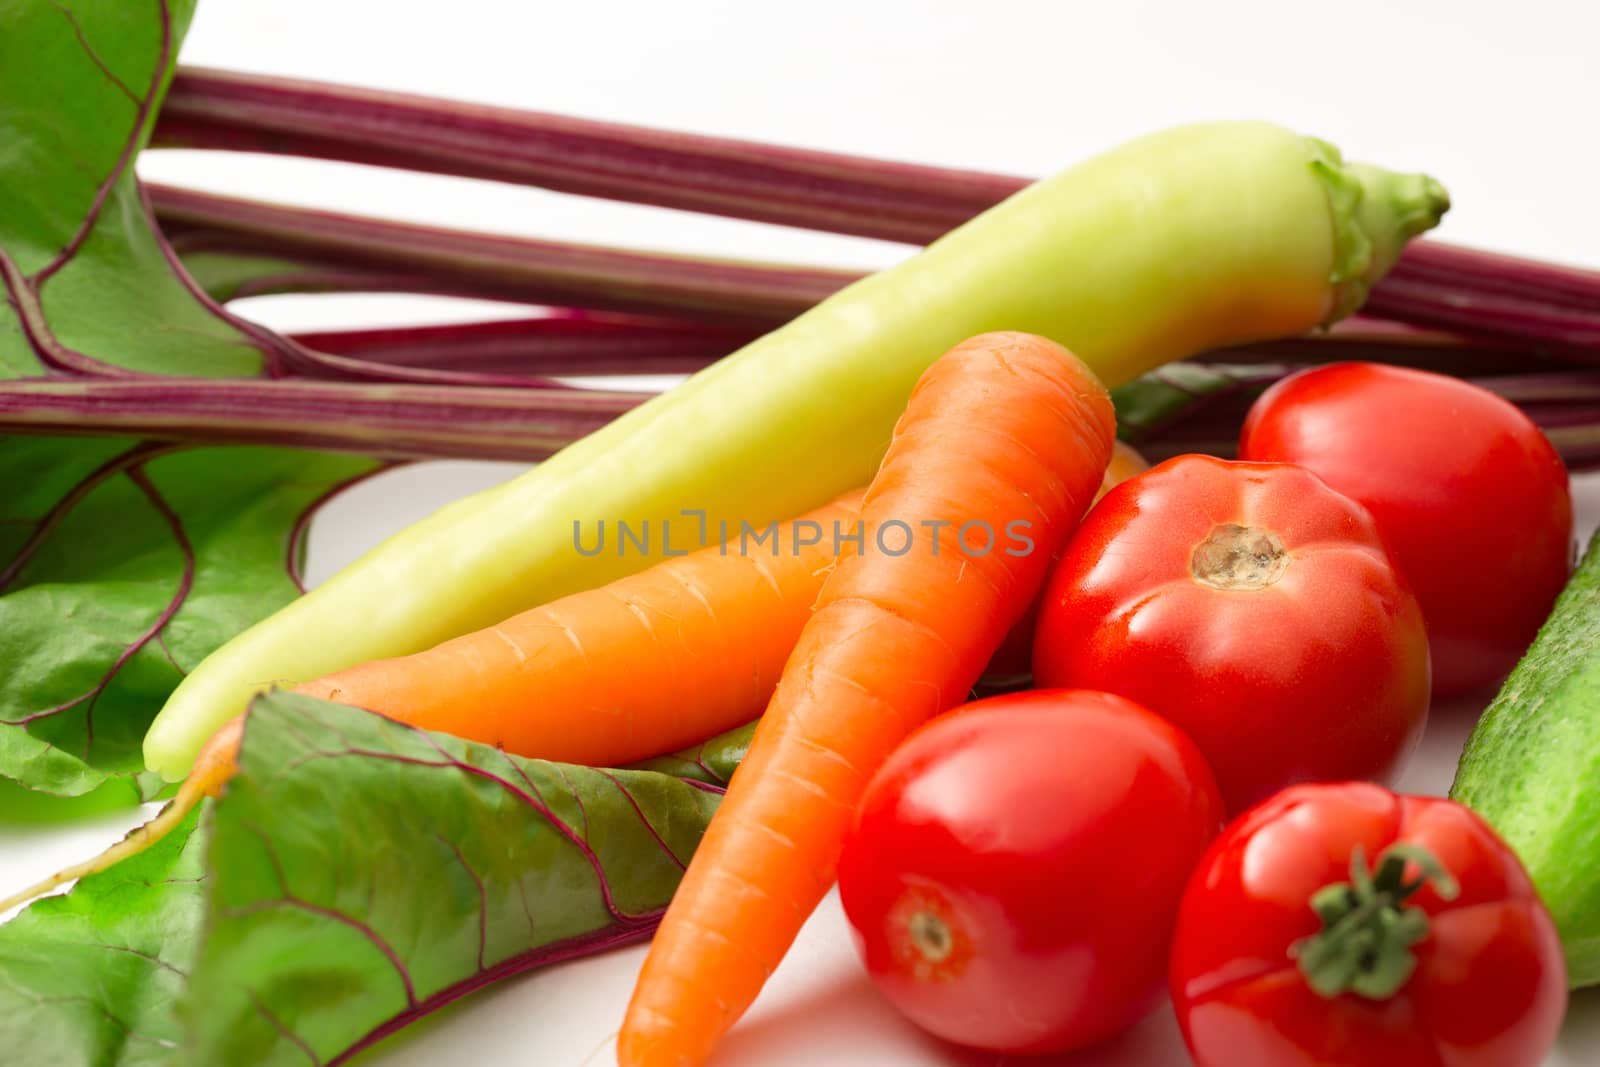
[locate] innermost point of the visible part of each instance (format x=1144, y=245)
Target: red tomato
x=1254, y=607
x=1489, y=985
x=1016, y=866
x=1470, y=494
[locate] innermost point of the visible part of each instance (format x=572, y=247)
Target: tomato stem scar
x=1239, y=557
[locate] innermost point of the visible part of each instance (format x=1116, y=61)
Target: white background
x=1500, y=101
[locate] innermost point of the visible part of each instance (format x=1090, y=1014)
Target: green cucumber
x=1532, y=766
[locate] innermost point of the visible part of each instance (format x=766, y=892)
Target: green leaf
x=124, y=564
x=1174, y=392
x=712, y=762
x=83, y=266
x=356, y=875
x=93, y=977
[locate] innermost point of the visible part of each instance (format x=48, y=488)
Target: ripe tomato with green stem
x=1340, y=925
x=1254, y=607
x=1014, y=869
x=1471, y=496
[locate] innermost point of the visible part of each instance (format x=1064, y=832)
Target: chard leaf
x=1170, y=394
x=122, y=565
x=712, y=762
x=122, y=562
x=356, y=875
x=93, y=977
x=92, y=288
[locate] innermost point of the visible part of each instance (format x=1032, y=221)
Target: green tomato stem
x=1367, y=930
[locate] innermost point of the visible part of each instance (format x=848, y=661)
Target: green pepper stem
x=1375, y=212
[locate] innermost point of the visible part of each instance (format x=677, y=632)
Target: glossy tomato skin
x=1320, y=674
x=1049, y=836
x=1490, y=985
x=1472, y=497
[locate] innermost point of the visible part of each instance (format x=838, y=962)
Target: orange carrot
x=1012, y=664
x=653, y=662
x=648, y=664
x=1005, y=427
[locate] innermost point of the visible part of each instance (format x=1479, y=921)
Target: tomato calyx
x=1364, y=946
x=1239, y=557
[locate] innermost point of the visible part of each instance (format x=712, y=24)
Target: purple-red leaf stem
x=459, y=263
x=388, y=421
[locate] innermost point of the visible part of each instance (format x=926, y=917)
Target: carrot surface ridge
x=1005, y=427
